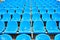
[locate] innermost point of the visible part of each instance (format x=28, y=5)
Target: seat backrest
x=26, y=17
x=36, y=17
x=23, y=37
x=25, y=25
x=38, y=25
x=51, y=25
x=46, y=17
x=6, y=37
x=12, y=25
x=6, y=17
x=16, y=17
x=42, y=37
x=57, y=37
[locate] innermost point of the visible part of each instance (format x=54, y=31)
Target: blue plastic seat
x=58, y=10
x=34, y=10
x=19, y=11
x=19, y=4
x=6, y=17
x=52, y=27
x=33, y=5
x=42, y=11
x=46, y=17
x=43, y=2
x=12, y=27
x=12, y=3
x=3, y=11
x=56, y=17
x=57, y=37
x=27, y=4
x=40, y=7
x=38, y=27
x=25, y=27
x=23, y=37
x=50, y=11
x=42, y=37
x=2, y=26
x=26, y=17
x=48, y=7
x=1, y=6
x=36, y=17
x=6, y=4
x=53, y=2
x=6, y=37
x=16, y=17
x=27, y=10
x=11, y=11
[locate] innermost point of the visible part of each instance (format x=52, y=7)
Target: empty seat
x=27, y=7
x=12, y=27
x=50, y=11
x=34, y=10
x=1, y=6
x=57, y=37
x=42, y=37
x=3, y=11
x=6, y=17
x=27, y=10
x=40, y=7
x=45, y=17
x=2, y=26
x=52, y=27
x=23, y=37
x=7, y=4
x=33, y=5
x=58, y=10
x=19, y=11
x=6, y=37
x=38, y=27
x=26, y=17
x=56, y=17
x=16, y=17
x=25, y=27
x=11, y=11
x=36, y=17
x=42, y=11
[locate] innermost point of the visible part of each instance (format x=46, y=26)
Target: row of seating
x=26, y=4
x=48, y=3
x=20, y=3
x=13, y=4
x=28, y=17
x=27, y=10
x=12, y=27
x=27, y=37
